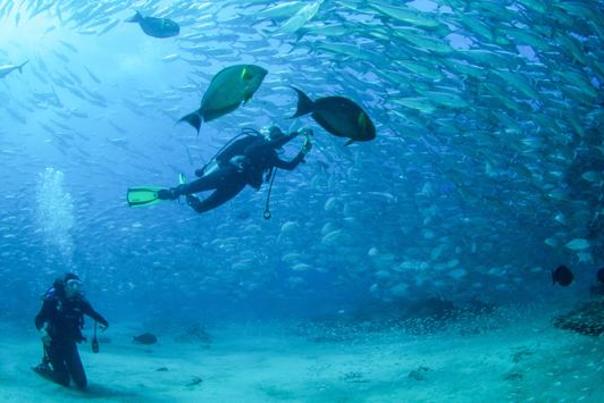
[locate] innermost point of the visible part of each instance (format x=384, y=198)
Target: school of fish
x=486, y=171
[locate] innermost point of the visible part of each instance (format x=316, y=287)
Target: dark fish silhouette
x=195, y=381
x=145, y=338
x=156, y=27
x=229, y=88
x=563, y=276
x=338, y=115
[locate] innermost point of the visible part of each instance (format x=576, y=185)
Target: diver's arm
x=289, y=165
x=88, y=310
x=281, y=141
x=44, y=315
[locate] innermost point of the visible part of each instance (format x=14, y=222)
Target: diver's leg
x=45, y=362
x=75, y=367
x=56, y=355
x=45, y=358
x=220, y=196
x=208, y=182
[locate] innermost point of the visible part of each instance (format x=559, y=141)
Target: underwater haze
x=416, y=266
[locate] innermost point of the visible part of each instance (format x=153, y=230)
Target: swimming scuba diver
x=60, y=322
x=249, y=160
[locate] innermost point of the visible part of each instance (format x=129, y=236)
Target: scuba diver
x=60, y=321
x=248, y=160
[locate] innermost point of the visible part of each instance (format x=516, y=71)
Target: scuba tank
x=212, y=164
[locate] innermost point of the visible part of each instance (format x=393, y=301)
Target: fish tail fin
x=349, y=142
x=305, y=104
x=194, y=119
x=137, y=17
x=20, y=68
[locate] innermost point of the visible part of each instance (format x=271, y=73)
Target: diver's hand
x=306, y=132
x=307, y=146
x=44, y=336
x=104, y=326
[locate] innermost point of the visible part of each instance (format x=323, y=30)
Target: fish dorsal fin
x=138, y=17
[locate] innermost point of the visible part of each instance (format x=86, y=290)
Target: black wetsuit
x=260, y=157
x=65, y=319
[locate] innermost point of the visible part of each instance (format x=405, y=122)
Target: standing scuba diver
x=249, y=160
x=60, y=322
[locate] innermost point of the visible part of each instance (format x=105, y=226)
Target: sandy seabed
x=525, y=361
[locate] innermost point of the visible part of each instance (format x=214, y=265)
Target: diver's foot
x=167, y=194
x=43, y=369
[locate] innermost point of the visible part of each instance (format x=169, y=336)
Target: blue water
x=485, y=175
